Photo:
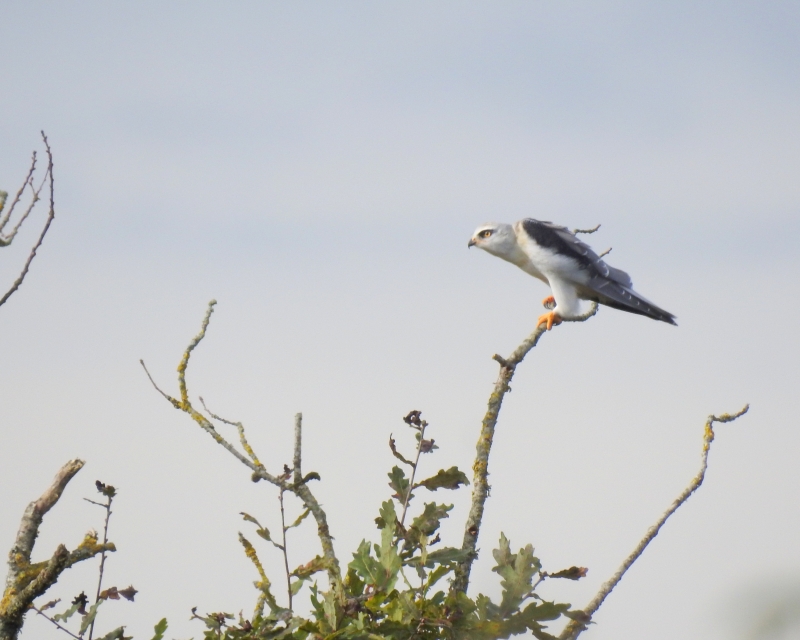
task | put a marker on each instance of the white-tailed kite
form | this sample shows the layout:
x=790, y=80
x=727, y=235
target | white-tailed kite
x=574, y=272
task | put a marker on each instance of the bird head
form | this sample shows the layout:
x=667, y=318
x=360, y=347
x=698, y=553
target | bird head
x=495, y=237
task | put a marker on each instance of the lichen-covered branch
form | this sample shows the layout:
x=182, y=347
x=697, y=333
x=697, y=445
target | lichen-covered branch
x=575, y=628
x=26, y=581
x=298, y=486
x=7, y=238
x=297, y=459
x=480, y=468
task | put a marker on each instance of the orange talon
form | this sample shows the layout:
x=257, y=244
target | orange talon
x=549, y=302
x=551, y=318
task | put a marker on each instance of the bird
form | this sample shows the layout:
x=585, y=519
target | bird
x=574, y=272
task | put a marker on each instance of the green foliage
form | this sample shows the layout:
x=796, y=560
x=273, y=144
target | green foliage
x=160, y=629
x=398, y=482
x=78, y=604
x=517, y=571
x=89, y=617
x=397, y=588
x=116, y=634
x=453, y=478
x=263, y=532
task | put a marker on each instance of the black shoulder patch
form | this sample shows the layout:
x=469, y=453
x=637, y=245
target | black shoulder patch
x=544, y=235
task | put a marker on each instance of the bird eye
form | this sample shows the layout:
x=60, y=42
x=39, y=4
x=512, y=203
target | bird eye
x=485, y=234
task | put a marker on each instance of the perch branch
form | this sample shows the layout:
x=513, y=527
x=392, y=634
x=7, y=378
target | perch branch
x=46, y=617
x=480, y=486
x=575, y=628
x=51, y=214
x=25, y=581
x=299, y=486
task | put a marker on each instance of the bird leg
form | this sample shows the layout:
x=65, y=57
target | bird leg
x=551, y=318
x=549, y=302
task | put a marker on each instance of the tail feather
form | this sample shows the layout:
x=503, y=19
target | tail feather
x=612, y=294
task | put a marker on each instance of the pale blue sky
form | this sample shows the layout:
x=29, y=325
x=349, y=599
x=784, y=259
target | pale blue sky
x=318, y=169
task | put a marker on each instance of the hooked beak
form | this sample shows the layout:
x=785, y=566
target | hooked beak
x=471, y=244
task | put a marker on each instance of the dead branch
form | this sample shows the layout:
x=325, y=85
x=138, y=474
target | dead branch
x=299, y=484
x=25, y=581
x=480, y=486
x=592, y=230
x=575, y=628
x=6, y=239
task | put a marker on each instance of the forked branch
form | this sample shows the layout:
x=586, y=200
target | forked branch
x=26, y=581
x=297, y=485
x=575, y=628
x=5, y=218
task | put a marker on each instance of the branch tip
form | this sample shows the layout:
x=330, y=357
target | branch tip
x=592, y=230
x=575, y=628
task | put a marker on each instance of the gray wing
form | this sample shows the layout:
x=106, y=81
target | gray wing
x=612, y=294
x=607, y=285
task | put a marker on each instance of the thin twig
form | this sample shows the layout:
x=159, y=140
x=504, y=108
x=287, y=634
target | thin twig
x=107, y=507
x=285, y=552
x=592, y=230
x=64, y=629
x=28, y=180
x=240, y=428
x=205, y=424
x=407, y=499
x=51, y=214
x=605, y=253
x=574, y=628
x=6, y=239
x=480, y=482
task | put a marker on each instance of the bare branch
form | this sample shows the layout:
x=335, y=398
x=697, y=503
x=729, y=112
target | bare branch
x=605, y=253
x=242, y=437
x=33, y=516
x=107, y=507
x=51, y=214
x=258, y=470
x=592, y=230
x=25, y=581
x=186, y=354
x=283, y=549
x=46, y=617
x=298, y=447
x=301, y=490
x=574, y=628
x=7, y=217
x=299, y=486
x=169, y=398
x=480, y=482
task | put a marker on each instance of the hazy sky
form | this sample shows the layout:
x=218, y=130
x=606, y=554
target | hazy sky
x=318, y=169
